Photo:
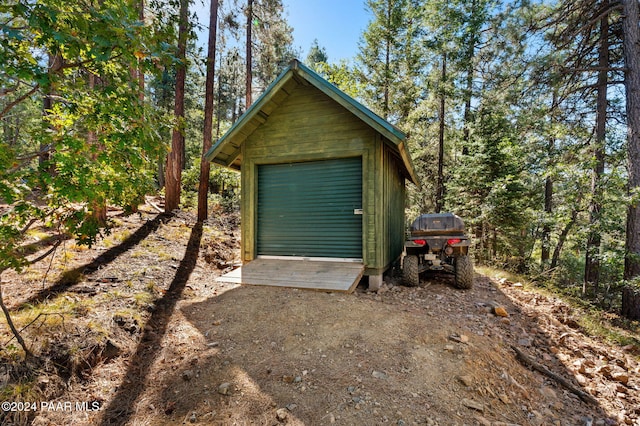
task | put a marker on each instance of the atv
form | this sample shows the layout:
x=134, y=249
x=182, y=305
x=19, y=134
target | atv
x=437, y=242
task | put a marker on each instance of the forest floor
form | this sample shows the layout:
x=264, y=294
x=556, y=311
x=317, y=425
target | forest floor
x=136, y=331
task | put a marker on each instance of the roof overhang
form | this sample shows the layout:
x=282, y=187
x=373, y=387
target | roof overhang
x=227, y=151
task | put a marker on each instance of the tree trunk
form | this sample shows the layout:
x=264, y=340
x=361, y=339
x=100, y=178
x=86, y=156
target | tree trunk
x=205, y=166
x=140, y=70
x=592, y=254
x=562, y=238
x=137, y=74
x=387, y=65
x=219, y=100
x=47, y=104
x=494, y=243
x=548, y=189
x=477, y=249
x=440, y=184
x=55, y=63
x=468, y=91
x=12, y=327
x=173, y=177
x=546, y=229
x=160, y=171
x=631, y=303
x=98, y=206
x=631, y=33
x=249, y=74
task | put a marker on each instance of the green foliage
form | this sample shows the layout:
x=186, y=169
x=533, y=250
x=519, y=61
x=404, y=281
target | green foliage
x=223, y=185
x=517, y=117
x=317, y=55
x=273, y=38
x=390, y=58
x=96, y=141
x=341, y=75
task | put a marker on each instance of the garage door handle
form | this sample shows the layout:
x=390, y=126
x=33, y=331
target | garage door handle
x=357, y=211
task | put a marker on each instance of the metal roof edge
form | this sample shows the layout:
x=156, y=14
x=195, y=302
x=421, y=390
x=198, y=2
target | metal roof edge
x=371, y=118
x=406, y=158
x=250, y=112
x=388, y=130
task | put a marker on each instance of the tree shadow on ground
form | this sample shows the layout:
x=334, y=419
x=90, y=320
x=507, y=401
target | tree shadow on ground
x=120, y=409
x=74, y=276
x=313, y=357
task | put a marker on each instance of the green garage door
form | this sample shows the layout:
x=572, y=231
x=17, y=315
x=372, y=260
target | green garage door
x=311, y=209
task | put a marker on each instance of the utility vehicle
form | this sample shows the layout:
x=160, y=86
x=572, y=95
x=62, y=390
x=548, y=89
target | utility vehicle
x=437, y=242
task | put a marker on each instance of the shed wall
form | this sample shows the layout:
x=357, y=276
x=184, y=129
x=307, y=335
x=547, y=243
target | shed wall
x=395, y=195
x=310, y=126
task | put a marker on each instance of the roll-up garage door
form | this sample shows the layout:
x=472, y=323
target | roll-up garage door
x=311, y=209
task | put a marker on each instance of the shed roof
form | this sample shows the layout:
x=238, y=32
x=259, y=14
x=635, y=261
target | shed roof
x=227, y=150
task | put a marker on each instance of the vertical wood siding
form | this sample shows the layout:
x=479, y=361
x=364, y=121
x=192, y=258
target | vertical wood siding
x=310, y=126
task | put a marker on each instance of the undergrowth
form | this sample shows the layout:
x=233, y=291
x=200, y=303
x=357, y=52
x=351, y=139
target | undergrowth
x=593, y=319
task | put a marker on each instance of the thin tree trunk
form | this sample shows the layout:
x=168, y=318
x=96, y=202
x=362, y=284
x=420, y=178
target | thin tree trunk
x=387, y=65
x=12, y=326
x=140, y=70
x=548, y=190
x=479, y=254
x=631, y=33
x=205, y=166
x=160, y=171
x=562, y=238
x=173, y=177
x=440, y=184
x=468, y=92
x=98, y=207
x=249, y=73
x=219, y=99
x=494, y=243
x=467, y=110
x=55, y=63
x=47, y=104
x=546, y=229
x=592, y=254
x=137, y=74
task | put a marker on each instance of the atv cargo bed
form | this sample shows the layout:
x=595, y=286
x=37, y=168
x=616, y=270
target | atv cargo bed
x=437, y=224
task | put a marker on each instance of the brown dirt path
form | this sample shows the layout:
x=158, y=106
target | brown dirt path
x=207, y=353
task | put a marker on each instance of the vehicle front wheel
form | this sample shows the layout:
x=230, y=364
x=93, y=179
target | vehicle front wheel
x=463, y=272
x=410, y=271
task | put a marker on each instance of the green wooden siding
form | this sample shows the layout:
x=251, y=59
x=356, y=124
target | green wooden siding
x=394, y=191
x=307, y=209
x=309, y=126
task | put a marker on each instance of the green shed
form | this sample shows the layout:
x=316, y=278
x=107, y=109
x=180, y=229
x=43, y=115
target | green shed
x=322, y=177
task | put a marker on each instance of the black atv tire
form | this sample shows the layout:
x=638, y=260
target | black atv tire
x=463, y=272
x=410, y=271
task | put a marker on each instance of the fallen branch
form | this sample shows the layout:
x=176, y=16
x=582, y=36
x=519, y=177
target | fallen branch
x=14, y=330
x=155, y=206
x=527, y=361
x=545, y=272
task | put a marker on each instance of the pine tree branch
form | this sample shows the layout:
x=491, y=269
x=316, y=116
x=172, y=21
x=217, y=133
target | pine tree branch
x=616, y=5
x=588, y=69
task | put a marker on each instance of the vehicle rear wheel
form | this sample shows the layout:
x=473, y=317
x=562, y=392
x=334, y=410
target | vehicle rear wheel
x=463, y=272
x=410, y=271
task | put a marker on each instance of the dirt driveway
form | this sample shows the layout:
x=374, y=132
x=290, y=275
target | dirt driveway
x=209, y=353
x=431, y=355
